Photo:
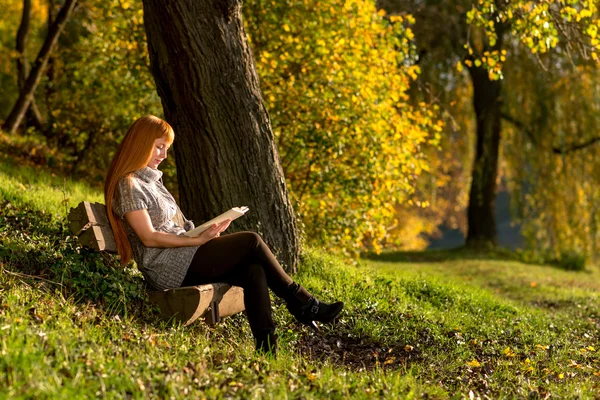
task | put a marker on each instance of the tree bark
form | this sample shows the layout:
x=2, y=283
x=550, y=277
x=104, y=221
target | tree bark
x=487, y=102
x=224, y=148
x=26, y=95
x=33, y=116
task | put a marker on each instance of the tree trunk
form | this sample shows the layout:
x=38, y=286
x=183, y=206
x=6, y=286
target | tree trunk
x=33, y=116
x=26, y=95
x=481, y=216
x=50, y=68
x=21, y=44
x=224, y=148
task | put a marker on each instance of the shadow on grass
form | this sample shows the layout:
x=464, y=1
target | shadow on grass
x=440, y=255
x=356, y=353
x=340, y=344
x=466, y=253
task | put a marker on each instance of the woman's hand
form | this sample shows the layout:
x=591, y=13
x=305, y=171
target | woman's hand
x=214, y=231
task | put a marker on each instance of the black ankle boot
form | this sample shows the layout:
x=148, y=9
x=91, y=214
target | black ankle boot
x=266, y=343
x=307, y=312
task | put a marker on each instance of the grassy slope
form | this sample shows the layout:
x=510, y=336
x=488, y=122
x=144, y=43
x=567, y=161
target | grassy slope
x=432, y=324
x=36, y=187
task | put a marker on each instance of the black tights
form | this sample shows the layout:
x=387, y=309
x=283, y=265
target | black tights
x=242, y=259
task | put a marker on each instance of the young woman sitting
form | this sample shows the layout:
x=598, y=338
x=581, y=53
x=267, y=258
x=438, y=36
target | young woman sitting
x=148, y=226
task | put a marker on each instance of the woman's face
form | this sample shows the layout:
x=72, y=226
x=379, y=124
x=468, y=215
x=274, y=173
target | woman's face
x=159, y=153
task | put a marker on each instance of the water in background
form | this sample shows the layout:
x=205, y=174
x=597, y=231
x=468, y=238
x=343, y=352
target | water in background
x=508, y=236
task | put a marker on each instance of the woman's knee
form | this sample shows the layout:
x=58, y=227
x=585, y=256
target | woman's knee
x=253, y=239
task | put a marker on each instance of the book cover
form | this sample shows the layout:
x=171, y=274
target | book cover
x=232, y=214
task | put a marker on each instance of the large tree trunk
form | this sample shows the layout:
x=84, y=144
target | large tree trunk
x=26, y=95
x=224, y=148
x=33, y=116
x=487, y=102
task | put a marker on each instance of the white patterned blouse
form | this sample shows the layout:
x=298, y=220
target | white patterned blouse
x=163, y=268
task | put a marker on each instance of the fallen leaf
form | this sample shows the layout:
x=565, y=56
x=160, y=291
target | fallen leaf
x=474, y=363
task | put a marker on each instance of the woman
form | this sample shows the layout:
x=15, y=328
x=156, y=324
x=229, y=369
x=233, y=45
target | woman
x=149, y=227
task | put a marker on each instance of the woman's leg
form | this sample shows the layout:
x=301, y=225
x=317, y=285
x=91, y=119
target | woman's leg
x=221, y=258
x=239, y=259
x=218, y=256
x=256, y=297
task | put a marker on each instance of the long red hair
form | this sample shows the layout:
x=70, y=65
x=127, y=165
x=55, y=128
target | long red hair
x=134, y=152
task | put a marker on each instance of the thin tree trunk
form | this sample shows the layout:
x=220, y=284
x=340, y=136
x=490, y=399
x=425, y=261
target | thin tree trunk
x=80, y=155
x=21, y=44
x=225, y=149
x=487, y=102
x=33, y=116
x=26, y=95
x=50, y=70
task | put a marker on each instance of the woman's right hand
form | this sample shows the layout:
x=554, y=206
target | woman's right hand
x=213, y=231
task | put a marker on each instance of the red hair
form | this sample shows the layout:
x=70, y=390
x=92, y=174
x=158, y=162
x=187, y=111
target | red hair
x=134, y=152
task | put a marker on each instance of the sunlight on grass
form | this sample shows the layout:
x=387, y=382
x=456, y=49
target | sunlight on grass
x=29, y=186
x=531, y=284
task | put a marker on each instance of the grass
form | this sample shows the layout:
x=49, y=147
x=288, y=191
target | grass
x=451, y=324
x=23, y=184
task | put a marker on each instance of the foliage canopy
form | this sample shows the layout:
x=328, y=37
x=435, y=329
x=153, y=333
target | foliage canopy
x=335, y=78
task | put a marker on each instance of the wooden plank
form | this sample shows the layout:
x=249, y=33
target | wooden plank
x=232, y=302
x=90, y=223
x=182, y=304
x=78, y=219
x=186, y=304
x=99, y=238
x=229, y=301
x=86, y=215
x=98, y=213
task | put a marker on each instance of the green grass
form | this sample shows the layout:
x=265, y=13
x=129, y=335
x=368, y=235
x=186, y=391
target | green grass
x=23, y=184
x=416, y=325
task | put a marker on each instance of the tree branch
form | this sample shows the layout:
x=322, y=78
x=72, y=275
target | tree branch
x=521, y=126
x=575, y=147
x=556, y=150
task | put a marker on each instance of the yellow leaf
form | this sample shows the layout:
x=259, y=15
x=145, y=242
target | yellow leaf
x=389, y=360
x=508, y=352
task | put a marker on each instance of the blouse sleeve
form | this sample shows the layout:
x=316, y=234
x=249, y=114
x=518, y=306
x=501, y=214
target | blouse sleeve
x=130, y=196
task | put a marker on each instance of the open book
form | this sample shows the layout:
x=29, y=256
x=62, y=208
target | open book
x=232, y=214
